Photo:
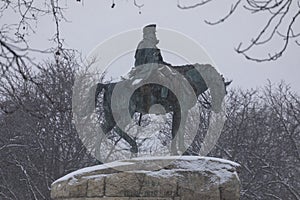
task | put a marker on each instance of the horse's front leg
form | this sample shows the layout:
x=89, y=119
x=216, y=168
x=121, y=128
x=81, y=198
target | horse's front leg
x=175, y=128
x=181, y=131
x=179, y=118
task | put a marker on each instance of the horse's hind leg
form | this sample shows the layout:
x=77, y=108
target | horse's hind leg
x=106, y=127
x=110, y=124
x=129, y=140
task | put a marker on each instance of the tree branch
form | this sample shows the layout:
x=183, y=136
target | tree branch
x=221, y=20
x=203, y=2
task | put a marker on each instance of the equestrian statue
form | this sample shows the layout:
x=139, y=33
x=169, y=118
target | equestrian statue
x=149, y=65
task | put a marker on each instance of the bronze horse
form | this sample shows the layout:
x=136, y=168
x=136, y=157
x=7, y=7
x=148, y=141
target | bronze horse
x=150, y=94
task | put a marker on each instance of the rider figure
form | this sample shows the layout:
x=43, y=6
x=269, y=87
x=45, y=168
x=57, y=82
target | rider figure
x=147, y=51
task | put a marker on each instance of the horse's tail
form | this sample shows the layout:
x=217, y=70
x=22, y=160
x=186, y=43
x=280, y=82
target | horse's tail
x=97, y=90
x=91, y=99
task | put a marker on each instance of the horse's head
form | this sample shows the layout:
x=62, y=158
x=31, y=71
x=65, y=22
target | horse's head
x=216, y=84
x=226, y=83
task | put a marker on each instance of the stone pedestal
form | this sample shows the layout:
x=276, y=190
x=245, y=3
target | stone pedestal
x=174, y=178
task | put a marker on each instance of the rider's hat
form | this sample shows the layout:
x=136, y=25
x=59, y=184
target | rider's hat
x=151, y=28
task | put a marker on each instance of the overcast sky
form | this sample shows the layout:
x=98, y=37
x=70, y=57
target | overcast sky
x=93, y=22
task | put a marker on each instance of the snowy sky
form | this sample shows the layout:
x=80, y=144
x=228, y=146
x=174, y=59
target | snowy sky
x=93, y=22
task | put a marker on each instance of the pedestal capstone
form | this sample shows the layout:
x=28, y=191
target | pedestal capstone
x=174, y=178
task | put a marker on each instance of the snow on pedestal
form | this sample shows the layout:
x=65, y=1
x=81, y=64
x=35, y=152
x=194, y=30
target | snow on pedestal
x=186, y=177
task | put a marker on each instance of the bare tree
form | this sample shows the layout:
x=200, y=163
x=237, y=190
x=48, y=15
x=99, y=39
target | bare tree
x=39, y=142
x=281, y=19
x=262, y=133
x=16, y=55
